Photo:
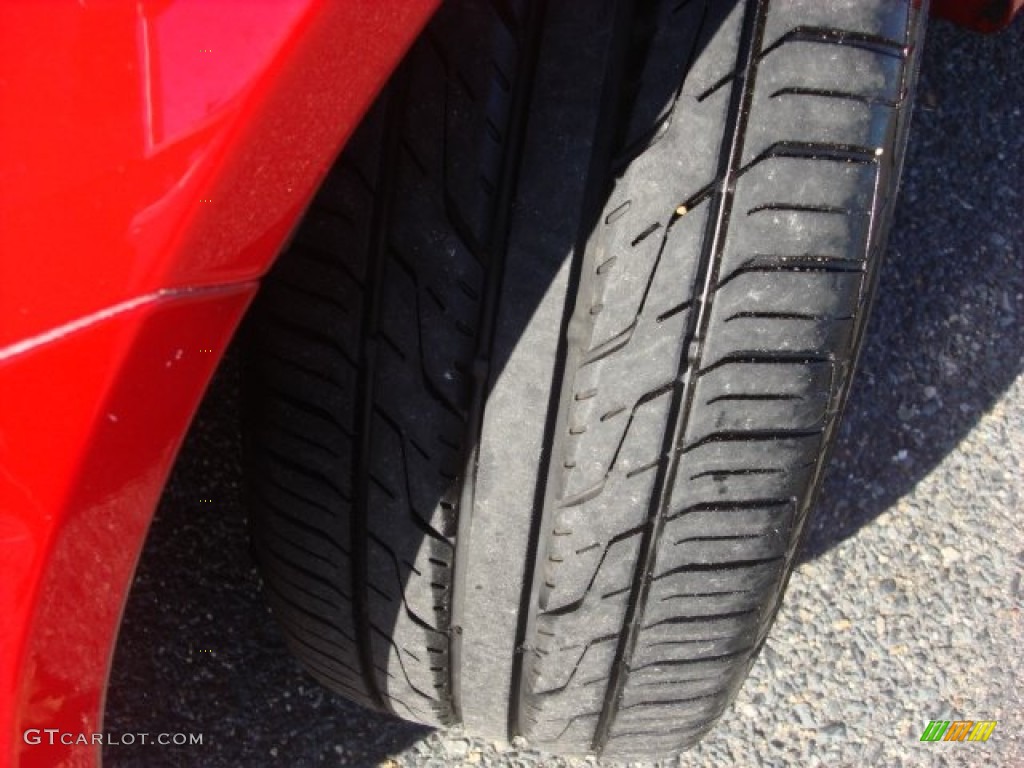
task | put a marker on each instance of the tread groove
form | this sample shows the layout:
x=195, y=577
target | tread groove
x=730, y=154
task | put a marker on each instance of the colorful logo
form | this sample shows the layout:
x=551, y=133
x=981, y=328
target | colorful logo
x=958, y=730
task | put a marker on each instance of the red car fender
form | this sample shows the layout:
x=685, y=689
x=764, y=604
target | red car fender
x=982, y=15
x=153, y=158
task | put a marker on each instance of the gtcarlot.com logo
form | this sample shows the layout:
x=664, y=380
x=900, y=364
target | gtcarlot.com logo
x=53, y=736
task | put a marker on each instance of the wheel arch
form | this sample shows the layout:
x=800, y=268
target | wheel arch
x=137, y=221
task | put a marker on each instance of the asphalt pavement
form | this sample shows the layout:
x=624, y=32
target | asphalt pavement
x=906, y=605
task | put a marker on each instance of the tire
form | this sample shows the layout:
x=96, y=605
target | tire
x=539, y=397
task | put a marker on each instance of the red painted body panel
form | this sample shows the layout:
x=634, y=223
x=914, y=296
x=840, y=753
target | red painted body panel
x=148, y=149
x=104, y=436
x=153, y=158
x=982, y=15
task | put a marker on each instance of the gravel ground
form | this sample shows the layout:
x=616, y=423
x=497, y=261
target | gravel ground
x=906, y=606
